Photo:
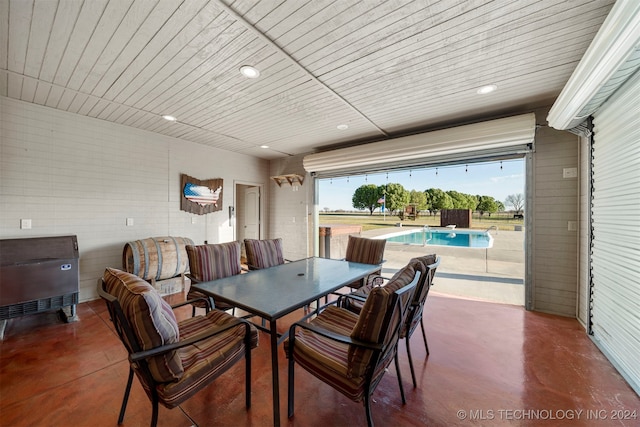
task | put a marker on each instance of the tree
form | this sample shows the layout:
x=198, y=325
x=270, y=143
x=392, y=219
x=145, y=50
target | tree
x=366, y=197
x=516, y=201
x=487, y=204
x=419, y=198
x=473, y=202
x=396, y=197
x=459, y=200
x=462, y=201
x=438, y=200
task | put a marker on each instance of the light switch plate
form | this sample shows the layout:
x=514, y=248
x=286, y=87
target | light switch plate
x=129, y=222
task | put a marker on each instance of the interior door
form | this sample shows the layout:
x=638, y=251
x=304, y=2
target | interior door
x=252, y=213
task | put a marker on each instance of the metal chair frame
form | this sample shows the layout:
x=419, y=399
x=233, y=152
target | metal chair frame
x=138, y=357
x=400, y=300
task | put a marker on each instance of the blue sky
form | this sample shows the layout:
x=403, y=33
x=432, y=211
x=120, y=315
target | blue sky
x=486, y=179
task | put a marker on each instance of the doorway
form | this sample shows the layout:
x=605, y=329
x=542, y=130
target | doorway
x=494, y=274
x=248, y=208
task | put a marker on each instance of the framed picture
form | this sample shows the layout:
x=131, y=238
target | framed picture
x=200, y=196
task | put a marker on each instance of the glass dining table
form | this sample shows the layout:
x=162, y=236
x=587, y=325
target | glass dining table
x=274, y=292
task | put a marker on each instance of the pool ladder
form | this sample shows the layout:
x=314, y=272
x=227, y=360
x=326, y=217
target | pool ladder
x=493, y=227
x=425, y=230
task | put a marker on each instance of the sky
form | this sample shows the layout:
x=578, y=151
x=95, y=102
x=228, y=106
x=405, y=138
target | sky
x=486, y=179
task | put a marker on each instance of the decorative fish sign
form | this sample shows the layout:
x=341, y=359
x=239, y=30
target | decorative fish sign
x=201, y=195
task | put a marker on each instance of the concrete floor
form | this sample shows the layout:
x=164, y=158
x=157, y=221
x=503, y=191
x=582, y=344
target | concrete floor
x=495, y=274
x=489, y=365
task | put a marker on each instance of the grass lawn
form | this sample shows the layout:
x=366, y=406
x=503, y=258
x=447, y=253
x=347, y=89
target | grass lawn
x=502, y=220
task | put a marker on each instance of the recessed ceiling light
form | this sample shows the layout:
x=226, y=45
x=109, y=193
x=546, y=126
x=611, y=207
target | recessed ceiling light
x=264, y=146
x=343, y=127
x=169, y=118
x=249, y=72
x=487, y=89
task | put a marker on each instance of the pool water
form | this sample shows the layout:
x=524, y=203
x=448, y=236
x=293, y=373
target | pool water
x=433, y=237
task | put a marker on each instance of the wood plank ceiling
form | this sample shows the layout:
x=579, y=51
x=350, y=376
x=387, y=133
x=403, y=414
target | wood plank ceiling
x=383, y=68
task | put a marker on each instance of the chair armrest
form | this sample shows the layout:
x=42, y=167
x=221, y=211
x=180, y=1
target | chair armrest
x=342, y=299
x=187, y=302
x=318, y=310
x=134, y=357
x=332, y=336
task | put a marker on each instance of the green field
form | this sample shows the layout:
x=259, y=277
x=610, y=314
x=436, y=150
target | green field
x=502, y=220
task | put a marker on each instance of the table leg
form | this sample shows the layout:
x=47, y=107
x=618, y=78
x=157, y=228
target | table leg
x=274, y=372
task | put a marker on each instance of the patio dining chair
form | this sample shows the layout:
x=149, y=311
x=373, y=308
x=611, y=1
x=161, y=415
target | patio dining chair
x=263, y=253
x=349, y=352
x=211, y=262
x=366, y=251
x=416, y=309
x=428, y=265
x=266, y=253
x=172, y=360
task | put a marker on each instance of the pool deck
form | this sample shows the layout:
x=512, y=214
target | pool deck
x=493, y=274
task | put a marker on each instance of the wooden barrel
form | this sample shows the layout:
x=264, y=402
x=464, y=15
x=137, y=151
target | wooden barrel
x=156, y=258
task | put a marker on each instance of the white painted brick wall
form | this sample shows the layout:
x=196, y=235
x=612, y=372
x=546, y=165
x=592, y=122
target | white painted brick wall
x=71, y=174
x=290, y=211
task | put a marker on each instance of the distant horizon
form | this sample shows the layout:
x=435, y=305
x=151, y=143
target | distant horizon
x=495, y=179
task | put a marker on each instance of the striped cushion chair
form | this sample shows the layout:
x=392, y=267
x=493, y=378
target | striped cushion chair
x=351, y=352
x=427, y=266
x=263, y=253
x=211, y=262
x=172, y=360
x=366, y=251
x=414, y=317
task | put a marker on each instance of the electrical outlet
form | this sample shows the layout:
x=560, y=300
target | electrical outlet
x=572, y=225
x=25, y=224
x=129, y=222
x=570, y=172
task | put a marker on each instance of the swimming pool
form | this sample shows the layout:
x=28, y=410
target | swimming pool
x=439, y=237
